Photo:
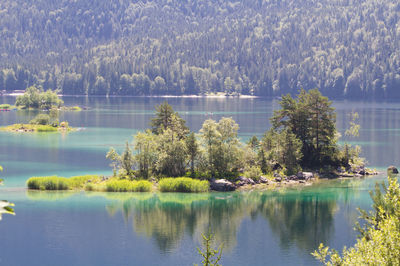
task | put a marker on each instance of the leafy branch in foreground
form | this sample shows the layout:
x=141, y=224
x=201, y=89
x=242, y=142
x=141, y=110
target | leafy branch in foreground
x=379, y=242
x=5, y=206
x=211, y=256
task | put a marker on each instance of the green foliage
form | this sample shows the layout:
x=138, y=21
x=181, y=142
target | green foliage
x=192, y=148
x=379, y=241
x=211, y=256
x=171, y=154
x=40, y=119
x=60, y=183
x=76, y=108
x=36, y=99
x=5, y=106
x=48, y=183
x=311, y=119
x=127, y=161
x=123, y=162
x=167, y=118
x=183, y=184
x=282, y=148
x=354, y=129
x=221, y=145
x=6, y=208
x=253, y=172
x=124, y=185
x=99, y=48
x=146, y=155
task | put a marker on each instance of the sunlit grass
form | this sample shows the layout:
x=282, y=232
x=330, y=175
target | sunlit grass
x=183, y=184
x=60, y=183
x=125, y=185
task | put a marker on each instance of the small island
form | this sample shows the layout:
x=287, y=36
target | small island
x=46, y=102
x=300, y=147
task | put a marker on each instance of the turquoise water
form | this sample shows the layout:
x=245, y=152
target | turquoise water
x=257, y=228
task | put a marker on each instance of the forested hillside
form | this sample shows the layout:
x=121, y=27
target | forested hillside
x=345, y=48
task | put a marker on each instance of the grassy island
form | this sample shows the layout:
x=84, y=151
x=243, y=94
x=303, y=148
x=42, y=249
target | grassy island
x=36, y=99
x=41, y=123
x=301, y=146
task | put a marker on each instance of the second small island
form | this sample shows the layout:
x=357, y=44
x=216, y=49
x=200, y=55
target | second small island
x=48, y=104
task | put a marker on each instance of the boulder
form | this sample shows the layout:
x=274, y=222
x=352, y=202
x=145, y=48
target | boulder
x=245, y=180
x=222, y=185
x=392, y=170
x=278, y=179
x=305, y=175
x=263, y=180
x=293, y=177
x=251, y=181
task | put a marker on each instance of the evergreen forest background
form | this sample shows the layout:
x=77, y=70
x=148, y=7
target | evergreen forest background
x=346, y=48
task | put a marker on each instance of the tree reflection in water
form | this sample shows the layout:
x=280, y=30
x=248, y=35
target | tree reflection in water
x=305, y=219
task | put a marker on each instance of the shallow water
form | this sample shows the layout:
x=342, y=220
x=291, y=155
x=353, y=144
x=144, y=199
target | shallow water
x=257, y=228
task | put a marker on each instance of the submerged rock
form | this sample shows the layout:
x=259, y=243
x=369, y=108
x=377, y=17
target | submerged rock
x=222, y=185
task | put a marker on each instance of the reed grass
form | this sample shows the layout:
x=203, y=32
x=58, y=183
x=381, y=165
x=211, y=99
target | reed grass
x=60, y=183
x=183, y=184
x=125, y=185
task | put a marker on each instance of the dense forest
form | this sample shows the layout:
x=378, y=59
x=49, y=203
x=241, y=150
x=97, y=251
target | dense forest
x=346, y=48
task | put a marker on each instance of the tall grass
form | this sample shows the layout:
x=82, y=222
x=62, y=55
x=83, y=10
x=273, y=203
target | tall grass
x=124, y=185
x=183, y=184
x=60, y=183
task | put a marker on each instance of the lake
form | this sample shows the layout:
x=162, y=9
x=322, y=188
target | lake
x=257, y=228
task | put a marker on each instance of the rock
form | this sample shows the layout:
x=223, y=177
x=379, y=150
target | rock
x=305, y=175
x=293, y=177
x=278, y=179
x=277, y=175
x=392, y=170
x=302, y=181
x=251, y=181
x=263, y=180
x=222, y=185
x=240, y=183
x=362, y=172
x=245, y=180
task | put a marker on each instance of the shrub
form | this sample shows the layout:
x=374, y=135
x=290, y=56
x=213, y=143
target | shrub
x=48, y=183
x=40, y=119
x=253, y=172
x=45, y=128
x=183, y=184
x=76, y=108
x=60, y=183
x=5, y=106
x=125, y=185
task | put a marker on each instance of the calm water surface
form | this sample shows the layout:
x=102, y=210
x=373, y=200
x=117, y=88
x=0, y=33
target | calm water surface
x=257, y=228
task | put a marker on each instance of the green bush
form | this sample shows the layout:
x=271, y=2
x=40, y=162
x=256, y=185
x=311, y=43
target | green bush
x=253, y=172
x=40, y=119
x=48, y=183
x=125, y=185
x=60, y=183
x=45, y=128
x=183, y=184
x=5, y=106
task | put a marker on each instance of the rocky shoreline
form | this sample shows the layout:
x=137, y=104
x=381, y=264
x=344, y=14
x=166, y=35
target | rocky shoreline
x=277, y=180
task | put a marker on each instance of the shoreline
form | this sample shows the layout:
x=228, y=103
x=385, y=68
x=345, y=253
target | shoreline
x=97, y=183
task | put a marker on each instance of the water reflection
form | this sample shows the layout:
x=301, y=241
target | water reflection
x=295, y=217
